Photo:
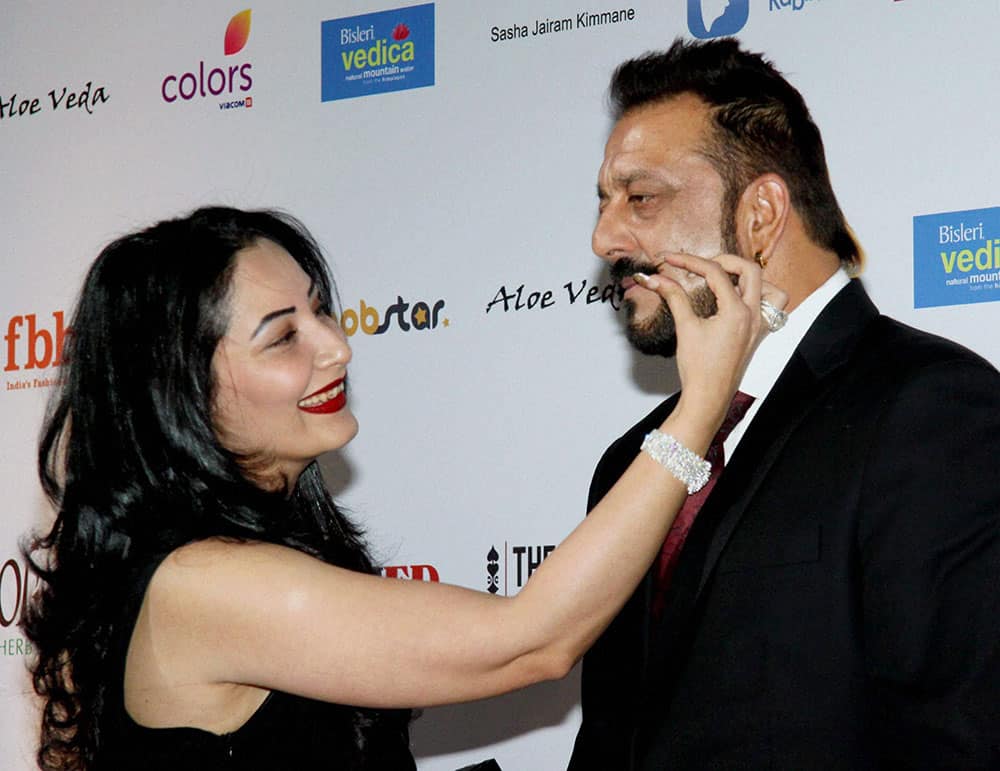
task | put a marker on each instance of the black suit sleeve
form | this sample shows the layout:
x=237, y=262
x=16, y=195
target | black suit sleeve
x=612, y=687
x=929, y=548
x=612, y=667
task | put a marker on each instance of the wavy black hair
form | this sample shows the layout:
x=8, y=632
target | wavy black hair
x=760, y=124
x=131, y=461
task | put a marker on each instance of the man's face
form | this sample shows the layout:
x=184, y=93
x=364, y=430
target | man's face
x=659, y=194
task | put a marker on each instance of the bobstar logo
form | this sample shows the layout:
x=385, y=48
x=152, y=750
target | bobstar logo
x=956, y=258
x=377, y=52
x=506, y=573
x=232, y=81
x=17, y=582
x=404, y=316
x=716, y=18
x=32, y=343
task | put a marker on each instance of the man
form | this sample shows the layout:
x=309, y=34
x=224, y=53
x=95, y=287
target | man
x=836, y=602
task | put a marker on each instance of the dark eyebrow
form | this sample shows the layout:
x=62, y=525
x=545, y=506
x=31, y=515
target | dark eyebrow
x=626, y=178
x=268, y=318
x=639, y=175
x=630, y=177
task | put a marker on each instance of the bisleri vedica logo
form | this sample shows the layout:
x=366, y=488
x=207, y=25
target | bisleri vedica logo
x=956, y=257
x=377, y=52
x=231, y=81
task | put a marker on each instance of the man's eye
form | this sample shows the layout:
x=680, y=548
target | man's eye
x=640, y=198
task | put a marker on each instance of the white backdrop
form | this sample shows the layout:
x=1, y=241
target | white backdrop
x=481, y=432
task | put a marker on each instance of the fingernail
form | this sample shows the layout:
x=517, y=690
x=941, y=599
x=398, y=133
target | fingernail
x=647, y=281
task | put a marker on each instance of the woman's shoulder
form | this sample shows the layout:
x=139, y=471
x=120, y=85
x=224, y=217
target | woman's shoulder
x=201, y=604
x=219, y=583
x=212, y=570
x=221, y=554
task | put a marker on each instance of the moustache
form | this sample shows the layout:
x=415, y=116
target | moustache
x=627, y=266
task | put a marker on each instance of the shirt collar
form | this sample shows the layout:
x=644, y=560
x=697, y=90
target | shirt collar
x=777, y=348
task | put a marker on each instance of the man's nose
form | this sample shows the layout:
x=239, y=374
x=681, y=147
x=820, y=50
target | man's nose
x=611, y=238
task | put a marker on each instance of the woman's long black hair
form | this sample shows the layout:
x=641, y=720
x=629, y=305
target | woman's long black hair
x=131, y=461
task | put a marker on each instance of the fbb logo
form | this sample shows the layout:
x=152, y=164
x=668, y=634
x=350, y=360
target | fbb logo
x=33, y=343
x=230, y=79
x=506, y=573
x=404, y=316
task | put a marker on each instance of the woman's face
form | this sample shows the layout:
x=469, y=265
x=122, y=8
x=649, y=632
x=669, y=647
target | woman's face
x=280, y=367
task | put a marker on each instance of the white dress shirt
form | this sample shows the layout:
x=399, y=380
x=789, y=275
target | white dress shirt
x=776, y=349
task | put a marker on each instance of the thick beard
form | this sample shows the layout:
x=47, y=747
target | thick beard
x=657, y=335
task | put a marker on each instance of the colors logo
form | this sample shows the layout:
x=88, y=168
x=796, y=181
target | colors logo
x=377, y=52
x=716, y=18
x=956, y=258
x=216, y=81
x=420, y=316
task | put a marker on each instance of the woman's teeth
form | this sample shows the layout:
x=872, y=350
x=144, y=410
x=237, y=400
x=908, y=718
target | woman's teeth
x=322, y=398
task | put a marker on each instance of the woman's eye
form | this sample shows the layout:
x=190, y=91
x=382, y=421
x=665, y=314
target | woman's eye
x=285, y=339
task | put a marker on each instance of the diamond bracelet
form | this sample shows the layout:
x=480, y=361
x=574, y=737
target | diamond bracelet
x=690, y=468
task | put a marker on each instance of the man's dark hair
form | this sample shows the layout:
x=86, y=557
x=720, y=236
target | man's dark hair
x=760, y=125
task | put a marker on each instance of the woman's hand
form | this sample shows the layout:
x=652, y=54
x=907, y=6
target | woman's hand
x=215, y=621
x=712, y=352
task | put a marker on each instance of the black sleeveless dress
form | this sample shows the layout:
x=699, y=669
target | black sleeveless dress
x=286, y=732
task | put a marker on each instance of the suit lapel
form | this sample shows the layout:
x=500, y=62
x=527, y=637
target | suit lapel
x=795, y=392
x=802, y=385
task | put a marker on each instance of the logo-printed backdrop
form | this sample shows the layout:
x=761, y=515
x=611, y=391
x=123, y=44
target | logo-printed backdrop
x=446, y=161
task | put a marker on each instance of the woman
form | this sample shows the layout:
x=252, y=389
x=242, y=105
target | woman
x=204, y=604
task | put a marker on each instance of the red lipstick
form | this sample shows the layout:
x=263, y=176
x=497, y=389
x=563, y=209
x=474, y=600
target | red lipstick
x=330, y=398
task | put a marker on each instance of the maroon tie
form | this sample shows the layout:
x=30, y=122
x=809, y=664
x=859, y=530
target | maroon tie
x=671, y=550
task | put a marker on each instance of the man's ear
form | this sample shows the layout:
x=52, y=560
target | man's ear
x=761, y=216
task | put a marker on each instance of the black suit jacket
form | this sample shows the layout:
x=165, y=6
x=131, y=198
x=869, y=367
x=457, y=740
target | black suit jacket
x=837, y=602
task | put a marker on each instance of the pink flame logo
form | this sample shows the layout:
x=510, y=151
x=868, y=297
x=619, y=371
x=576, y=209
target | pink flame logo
x=238, y=32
